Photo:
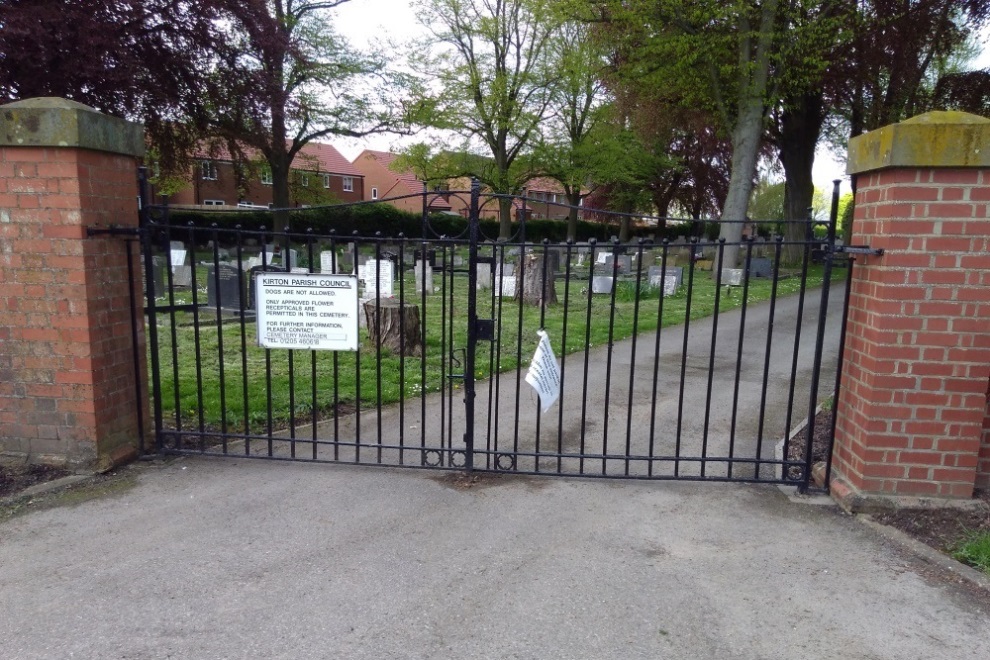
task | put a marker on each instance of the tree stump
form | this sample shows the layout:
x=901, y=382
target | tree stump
x=394, y=327
x=535, y=289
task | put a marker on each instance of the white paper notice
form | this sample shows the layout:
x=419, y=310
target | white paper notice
x=544, y=373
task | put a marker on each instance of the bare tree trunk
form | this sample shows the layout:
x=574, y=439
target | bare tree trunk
x=574, y=199
x=394, y=327
x=535, y=288
x=800, y=127
x=745, y=147
x=504, y=219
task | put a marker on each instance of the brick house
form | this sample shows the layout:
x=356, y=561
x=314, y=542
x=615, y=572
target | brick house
x=320, y=175
x=382, y=182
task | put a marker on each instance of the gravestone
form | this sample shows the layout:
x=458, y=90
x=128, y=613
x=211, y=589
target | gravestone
x=251, y=262
x=252, y=274
x=158, y=275
x=424, y=278
x=505, y=286
x=458, y=260
x=328, y=259
x=602, y=256
x=656, y=272
x=227, y=290
x=431, y=256
x=378, y=277
x=760, y=267
x=602, y=284
x=484, y=274
x=733, y=276
x=670, y=285
x=182, y=275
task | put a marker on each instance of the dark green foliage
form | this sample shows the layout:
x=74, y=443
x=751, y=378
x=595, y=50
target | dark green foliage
x=370, y=219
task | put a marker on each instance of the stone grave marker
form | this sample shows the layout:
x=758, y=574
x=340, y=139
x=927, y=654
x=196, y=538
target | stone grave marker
x=431, y=256
x=505, y=286
x=229, y=291
x=327, y=261
x=484, y=272
x=252, y=274
x=602, y=283
x=733, y=276
x=760, y=267
x=670, y=285
x=158, y=275
x=378, y=277
x=424, y=277
x=656, y=272
x=182, y=275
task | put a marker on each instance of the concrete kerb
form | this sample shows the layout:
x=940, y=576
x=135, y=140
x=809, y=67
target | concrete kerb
x=967, y=573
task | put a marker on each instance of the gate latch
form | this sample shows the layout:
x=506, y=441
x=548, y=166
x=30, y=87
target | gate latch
x=484, y=329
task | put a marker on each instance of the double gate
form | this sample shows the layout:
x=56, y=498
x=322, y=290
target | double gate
x=669, y=368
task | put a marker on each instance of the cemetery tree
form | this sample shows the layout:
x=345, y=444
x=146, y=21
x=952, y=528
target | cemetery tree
x=717, y=56
x=572, y=149
x=877, y=63
x=289, y=79
x=145, y=60
x=488, y=81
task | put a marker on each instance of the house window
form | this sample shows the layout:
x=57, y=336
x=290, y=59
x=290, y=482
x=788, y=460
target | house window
x=326, y=180
x=266, y=176
x=213, y=202
x=374, y=193
x=304, y=180
x=348, y=184
x=208, y=170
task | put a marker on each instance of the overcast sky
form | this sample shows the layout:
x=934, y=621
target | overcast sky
x=368, y=22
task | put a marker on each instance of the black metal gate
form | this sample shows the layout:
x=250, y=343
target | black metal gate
x=669, y=368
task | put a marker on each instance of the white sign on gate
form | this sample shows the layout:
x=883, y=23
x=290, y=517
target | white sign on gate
x=544, y=372
x=307, y=311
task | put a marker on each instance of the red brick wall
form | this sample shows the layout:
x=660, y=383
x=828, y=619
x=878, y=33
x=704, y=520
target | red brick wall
x=67, y=385
x=913, y=406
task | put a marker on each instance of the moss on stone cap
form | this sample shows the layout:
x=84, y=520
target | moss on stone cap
x=57, y=122
x=934, y=139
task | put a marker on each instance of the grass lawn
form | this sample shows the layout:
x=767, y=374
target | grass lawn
x=220, y=379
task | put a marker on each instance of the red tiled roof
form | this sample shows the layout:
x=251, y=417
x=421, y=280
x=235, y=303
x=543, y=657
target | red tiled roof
x=407, y=178
x=544, y=184
x=325, y=158
x=315, y=156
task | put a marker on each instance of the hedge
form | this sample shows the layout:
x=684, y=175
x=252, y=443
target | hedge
x=370, y=219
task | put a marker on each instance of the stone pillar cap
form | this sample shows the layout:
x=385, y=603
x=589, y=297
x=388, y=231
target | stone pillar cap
x=935, y=139
x=58, y=122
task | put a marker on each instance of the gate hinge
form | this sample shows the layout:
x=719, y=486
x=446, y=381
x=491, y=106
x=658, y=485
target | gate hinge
x=484, y=329
x=859, y=249
x=112, y=230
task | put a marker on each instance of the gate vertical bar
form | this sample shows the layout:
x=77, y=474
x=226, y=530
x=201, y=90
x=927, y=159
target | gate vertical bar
x=472, y=329
x=816, y=368
x=147, y=245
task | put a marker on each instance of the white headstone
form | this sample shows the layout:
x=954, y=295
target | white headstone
x=601, y=284
x=602, y=256
x=484, y=276
x=424, y=277
x=378, y=277
x=670, y=284
x=505, y=286
x=180, y=257
x=327, y=261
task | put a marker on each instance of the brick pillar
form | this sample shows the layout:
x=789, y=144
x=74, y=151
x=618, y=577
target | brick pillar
x=912, y=412
x=67, y=383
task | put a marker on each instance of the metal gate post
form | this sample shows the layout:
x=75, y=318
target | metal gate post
x=472, y=329
x=816, y=368
x=147, y=245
